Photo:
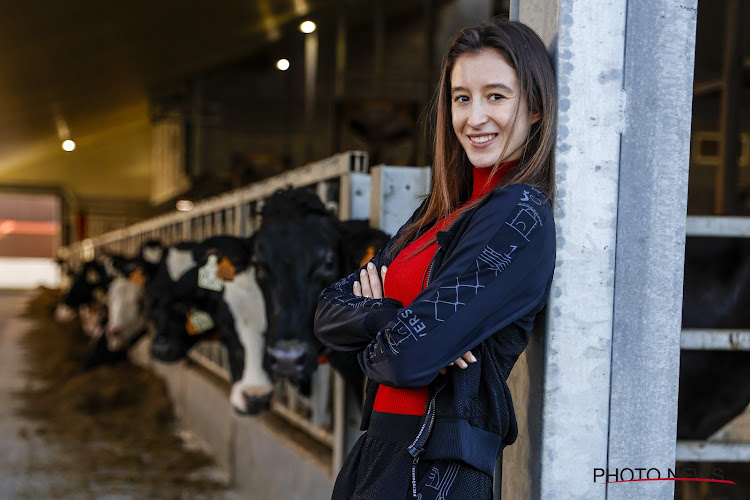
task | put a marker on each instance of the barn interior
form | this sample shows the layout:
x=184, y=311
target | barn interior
x=170, y=104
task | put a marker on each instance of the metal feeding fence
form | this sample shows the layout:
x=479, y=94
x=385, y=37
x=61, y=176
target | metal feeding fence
x=715, y=339
x=347, y=187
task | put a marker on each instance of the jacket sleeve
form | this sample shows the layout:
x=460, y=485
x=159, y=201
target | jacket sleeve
x=498, y=272
x=345, y=322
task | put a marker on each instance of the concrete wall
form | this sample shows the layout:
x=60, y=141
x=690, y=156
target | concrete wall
x=263, y=458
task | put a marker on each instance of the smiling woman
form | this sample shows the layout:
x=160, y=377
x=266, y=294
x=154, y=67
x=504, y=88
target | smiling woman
x=439, y=316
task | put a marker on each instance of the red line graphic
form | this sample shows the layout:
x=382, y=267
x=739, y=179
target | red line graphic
x=675, y=479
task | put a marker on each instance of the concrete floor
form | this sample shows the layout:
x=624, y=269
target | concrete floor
x=31, y=467
x=22, y=449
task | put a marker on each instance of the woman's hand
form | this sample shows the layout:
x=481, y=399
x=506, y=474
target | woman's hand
x=462, y=362
x=370, y=286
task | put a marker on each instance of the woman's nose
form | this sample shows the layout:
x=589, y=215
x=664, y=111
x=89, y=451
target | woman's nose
x=477, y=114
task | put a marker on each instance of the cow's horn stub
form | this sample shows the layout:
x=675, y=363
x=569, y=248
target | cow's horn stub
x=225, y=270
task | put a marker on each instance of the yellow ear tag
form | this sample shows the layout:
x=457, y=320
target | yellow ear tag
x=225, y=270
x=207, y=275
x=368, y=255
x=137, y=277
x=198, y=322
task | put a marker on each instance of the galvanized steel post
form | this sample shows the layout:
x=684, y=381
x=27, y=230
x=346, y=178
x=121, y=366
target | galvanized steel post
x=611, y=351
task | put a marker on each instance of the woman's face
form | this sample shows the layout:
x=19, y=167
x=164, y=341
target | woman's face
x=485, y=93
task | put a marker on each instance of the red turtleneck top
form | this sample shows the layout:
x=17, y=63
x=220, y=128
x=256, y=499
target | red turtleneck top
x=405, y=279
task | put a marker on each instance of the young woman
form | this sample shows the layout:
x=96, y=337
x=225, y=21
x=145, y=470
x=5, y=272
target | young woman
x=438, y=334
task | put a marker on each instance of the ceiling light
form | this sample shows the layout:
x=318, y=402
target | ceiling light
x=68, y=145
x=184, y=205
x=307, y=27
x=282, y=64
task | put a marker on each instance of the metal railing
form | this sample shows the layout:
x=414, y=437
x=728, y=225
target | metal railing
x=342, y=181
x=715, y=339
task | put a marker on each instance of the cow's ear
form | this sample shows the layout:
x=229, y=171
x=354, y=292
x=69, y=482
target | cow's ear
x=359, y=243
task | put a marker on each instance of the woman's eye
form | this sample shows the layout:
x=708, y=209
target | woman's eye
x=460, y=98
x=496, y=97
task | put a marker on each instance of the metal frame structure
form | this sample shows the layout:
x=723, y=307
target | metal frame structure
x=703, y=340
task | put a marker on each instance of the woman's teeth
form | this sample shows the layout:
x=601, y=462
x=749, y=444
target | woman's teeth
x=483, y=138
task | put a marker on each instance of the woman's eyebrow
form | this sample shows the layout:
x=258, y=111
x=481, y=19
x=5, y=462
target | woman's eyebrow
x=491, y=86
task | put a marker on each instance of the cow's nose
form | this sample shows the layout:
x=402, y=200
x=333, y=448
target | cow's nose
x=163, y=350
x=288, y=360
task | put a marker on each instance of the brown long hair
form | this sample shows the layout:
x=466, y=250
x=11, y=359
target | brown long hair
x=452, y=171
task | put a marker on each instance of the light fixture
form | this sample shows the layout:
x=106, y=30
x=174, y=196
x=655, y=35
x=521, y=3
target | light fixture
x=68, y=145
x=184, y=205
x=307, y=27
x=282, y=64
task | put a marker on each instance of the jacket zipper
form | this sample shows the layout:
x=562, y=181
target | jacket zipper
x=429, y=273
x=416, y=448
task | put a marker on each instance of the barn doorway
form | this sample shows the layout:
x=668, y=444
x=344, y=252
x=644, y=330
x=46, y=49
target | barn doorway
x=30, y=232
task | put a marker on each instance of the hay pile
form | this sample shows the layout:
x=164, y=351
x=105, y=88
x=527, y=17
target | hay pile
x=114, y=422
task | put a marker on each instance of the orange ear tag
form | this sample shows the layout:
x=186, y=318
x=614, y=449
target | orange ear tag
x=137, y=277
x=368, y=255
x=225, y=270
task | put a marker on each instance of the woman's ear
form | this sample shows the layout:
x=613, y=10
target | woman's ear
x=535, y=118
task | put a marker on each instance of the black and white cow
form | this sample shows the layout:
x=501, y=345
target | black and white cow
x=127, y=303
x=714, y=385
x=86, y=293
x=300, y=249
x=208, y=289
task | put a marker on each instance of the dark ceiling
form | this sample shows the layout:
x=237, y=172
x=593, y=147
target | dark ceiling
x=88, y=64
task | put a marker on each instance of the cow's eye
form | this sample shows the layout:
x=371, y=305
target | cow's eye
x=261, y=271
x=329, y=264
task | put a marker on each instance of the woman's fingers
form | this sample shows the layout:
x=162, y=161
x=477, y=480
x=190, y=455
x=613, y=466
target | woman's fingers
x=364, y=282
x=469, y=357
x=369, y=285
x=375, y=287
x=463, y=361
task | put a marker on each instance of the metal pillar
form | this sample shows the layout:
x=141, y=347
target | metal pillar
x=608, y=397
x=651, y=223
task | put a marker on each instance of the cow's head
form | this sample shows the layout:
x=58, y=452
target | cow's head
x=126, y=315
x=180, y=327
x=89, y=286
x=91, y=278
x=126, y=297
x=300, y=249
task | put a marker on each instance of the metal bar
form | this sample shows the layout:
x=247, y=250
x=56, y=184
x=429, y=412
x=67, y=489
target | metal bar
x=340, y=447
x=316, y=432
x=706, y=451
x=725, y=188
x=714, y=340
x=327, y=168
x=709, y=87
x=718, y=226
x=206, y=362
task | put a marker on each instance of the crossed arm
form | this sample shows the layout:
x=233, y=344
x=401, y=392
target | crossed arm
x=370, y=286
